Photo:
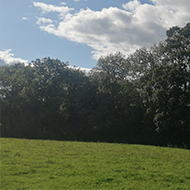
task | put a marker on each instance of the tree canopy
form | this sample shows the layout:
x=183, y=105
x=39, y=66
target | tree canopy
x=141, y=98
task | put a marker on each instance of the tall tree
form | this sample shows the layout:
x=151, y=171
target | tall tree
x=165, y=88
x=118, y=110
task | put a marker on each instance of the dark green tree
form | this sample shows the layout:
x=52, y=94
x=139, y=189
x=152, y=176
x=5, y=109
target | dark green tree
x=165, y=85
x=117, y=115
x=144, y=98
x=18, y=101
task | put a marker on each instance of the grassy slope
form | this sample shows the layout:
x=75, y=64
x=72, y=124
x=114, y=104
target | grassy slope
x=38, y=164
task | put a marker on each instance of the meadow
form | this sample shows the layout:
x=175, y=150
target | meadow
x=48, y=165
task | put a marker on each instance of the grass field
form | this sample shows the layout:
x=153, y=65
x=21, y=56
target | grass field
x=43, y=164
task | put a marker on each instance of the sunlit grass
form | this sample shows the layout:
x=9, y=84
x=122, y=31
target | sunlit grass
x=43, y=164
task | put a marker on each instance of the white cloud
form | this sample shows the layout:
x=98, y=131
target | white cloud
x=43, y=20
x=25, y=18
x=46, y=8
x=113, y=29
x=7, y=58
x=63, y=3
x=132, y=5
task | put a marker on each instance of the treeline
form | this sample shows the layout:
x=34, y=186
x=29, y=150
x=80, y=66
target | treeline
x=143, y=98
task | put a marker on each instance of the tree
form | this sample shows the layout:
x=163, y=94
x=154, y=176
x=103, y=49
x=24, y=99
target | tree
x=165, y=86
x=144, y=98
x=117, y=115
x=18, y=100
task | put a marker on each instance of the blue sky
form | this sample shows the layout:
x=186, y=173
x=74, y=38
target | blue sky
x=80, y=31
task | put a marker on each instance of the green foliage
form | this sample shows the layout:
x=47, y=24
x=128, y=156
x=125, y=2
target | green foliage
x=112, y=66
x=165, y=88
x=41, y=100
x=37, y=164
x=118, y=113
x=143, y=98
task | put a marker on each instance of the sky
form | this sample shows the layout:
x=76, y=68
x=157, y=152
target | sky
x=80, y=31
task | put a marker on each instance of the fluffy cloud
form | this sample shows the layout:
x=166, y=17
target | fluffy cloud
x=46, y=8
x=113, y=29
x=164, y=13
x=43, y=20
x=7, y=58
x=132, y=5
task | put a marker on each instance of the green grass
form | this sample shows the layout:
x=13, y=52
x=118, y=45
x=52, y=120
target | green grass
x=43, y=164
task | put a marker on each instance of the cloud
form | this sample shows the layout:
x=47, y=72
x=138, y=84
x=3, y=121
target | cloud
x=63, y=3
x=132, y=5
x=7, y=58
x=47, y=8
x=113, y=29
x=43, y=20
x=25, y=18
